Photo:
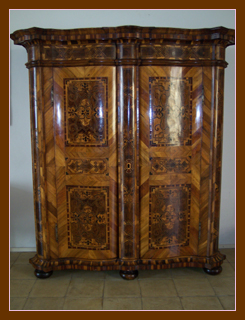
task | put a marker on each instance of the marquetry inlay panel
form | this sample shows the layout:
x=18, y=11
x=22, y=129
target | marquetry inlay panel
x=177, y=52
x=170, y=165
x=79, y=52
x=170, y=111
x=86, y=111
x=88, y=217
x=87, y=166
x=169, y=216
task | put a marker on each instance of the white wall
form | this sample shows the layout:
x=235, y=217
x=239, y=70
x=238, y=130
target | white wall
x=21, y=201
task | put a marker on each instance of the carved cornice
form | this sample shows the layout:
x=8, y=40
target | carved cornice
x=34, y=35
x=126, y=45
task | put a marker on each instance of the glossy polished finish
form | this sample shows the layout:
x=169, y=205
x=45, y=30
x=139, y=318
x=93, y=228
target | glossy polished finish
x=128, y=166
x=214, y=271
x=129, y=275
x=86, y=162
x=42, y=275
x=126, y=128
x=170, y=136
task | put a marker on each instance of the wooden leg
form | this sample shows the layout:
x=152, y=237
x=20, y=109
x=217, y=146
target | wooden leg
x=129, y=275
x=42, y=274
x=214, y=271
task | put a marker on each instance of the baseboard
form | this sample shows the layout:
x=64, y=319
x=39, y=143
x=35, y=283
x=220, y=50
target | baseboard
x=22, y=249
x=221, y=246
x=226, y=246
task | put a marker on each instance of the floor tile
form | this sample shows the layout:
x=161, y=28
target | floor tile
x=126, y=288
x=85, y=288
x=230, y=254
x=22, y=271
x=86, y=274
x=64, y=289
x=162, y=303
x=152, y=274
x=17, y=303
x=113, y=275
x=221, y=285
x=50, y=287
x=20, y=288
x=228, y=302
x=201, y=303
x=63, y=275
x=24, y=257
x=14, y=256
x=83, y=304
x=44, y=304
x=157, y=288
x=231, y=259
x=122, y=303
x=233, y=265
x=227, y=270
x=188, y=272
x=193, y=287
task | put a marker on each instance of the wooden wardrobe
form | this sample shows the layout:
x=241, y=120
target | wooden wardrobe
x=126, y=127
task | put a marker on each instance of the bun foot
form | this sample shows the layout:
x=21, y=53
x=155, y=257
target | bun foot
x=214, y=271
x=42, y=274
x=129, y=275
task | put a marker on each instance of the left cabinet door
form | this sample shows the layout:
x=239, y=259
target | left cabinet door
x=85, y=133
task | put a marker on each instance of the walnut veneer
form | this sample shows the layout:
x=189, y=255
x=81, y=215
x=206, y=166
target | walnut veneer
x=126, y=127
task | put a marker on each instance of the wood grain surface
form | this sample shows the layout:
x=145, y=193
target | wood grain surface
x=126, y=127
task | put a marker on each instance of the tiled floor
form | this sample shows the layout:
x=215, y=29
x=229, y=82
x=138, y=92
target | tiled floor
x=175, y=289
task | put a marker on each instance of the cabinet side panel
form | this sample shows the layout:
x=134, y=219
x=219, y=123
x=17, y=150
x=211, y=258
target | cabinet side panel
x=206, y=163
x=217, y=161
x=38, y=160
x=144, y=158
x=211, y=155
x=50, y=160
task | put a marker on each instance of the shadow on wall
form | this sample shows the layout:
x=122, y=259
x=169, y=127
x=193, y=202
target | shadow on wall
x=22, y=227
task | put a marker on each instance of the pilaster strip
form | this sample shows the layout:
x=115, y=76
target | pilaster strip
x=128, y=175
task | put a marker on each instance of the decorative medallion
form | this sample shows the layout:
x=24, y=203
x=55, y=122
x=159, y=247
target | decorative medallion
x=170, y=111
x=168, y=165
x=169, y=219
x=86, y=112
x=88, y=217
x=86, y=166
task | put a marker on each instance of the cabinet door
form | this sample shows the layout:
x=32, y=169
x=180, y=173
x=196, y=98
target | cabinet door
x=170, y=162
x=86, y=162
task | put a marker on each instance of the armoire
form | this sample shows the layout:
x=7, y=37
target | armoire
x=126, y=131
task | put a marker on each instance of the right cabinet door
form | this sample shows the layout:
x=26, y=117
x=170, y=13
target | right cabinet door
x=171, y=113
